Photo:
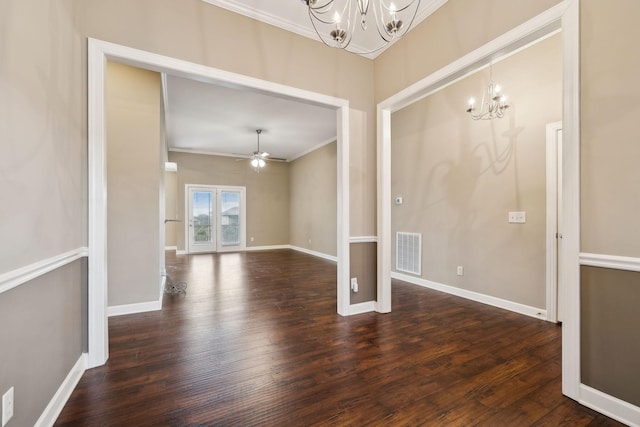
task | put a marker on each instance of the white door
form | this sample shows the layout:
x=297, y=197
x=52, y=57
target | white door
x=201, y=219
x=216, y=218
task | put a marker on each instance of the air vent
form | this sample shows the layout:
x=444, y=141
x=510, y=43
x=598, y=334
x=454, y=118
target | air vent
x=408, y=252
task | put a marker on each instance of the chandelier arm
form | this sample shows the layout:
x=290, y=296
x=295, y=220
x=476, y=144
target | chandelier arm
x=322, y=8
x=318, y=32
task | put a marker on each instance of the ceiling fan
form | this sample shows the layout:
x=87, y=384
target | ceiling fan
x=258, y=157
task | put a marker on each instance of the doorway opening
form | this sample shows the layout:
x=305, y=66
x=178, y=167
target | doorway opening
x=566, y=17
x=99, y=52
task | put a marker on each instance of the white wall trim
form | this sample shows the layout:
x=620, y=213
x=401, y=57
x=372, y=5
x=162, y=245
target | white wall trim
x=363, y=307
x=516, y=307
x=60, y=398
x=267, y=248
x=610, y=406
x=208, y=153
x=614, y=262
x=363, y=239
x=170, y=248
x=17, y=277
x=312, y=149
x=569, y=247
x=181, y=252
x=139, y=307
x=315, y=253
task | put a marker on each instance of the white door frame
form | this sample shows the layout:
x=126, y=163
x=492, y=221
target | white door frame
x=553, y=230
x=243, y=215
x=98, y=53
x=564, y=16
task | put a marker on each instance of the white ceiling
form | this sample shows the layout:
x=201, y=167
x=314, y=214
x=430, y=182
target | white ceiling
x=206, y=118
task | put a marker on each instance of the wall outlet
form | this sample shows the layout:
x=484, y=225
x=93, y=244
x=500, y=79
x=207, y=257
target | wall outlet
x=251, y=239
x=354, y=284
x=7, y=406
x=309, y=241
x=517, y=217
x=460, y=270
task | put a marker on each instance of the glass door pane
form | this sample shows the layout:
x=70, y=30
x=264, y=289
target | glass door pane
x=229, y=218
x=202, y=236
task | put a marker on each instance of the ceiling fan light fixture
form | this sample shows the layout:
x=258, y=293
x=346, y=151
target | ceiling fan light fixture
x=258, y=157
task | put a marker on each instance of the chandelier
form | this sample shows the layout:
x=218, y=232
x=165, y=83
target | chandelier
x=492, y=105
x=339, y=22
x=258, y=157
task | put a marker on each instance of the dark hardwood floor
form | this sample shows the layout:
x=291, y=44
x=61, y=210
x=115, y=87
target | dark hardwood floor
x=256, y=341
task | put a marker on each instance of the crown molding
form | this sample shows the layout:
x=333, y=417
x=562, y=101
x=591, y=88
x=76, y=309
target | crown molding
x=307, y=30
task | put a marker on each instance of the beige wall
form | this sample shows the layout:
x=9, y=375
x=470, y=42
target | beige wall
x=43, y=148
x=171, y=228
x=610, y=90
x=43, y=199
x=610, y=178
x=267, y=193
x=313, y=201
x=459, y=178
x=191, y=29
x=133, y=184
x=457, y=28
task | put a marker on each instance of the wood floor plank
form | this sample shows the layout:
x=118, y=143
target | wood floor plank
x=256, y=341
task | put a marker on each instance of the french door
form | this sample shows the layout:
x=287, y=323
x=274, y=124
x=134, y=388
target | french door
x=215, y=218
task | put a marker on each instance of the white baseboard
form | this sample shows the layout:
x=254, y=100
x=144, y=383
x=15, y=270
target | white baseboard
x=538, y=313
x=141, y=307
x=610, y=406
x=314, y=253
x=170, y=248
x=363, y=239
x=56, y=404
x=181, y=252
x=266, y=248
x=363, y=307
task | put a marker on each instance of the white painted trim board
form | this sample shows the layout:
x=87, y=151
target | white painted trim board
x=139, y=307
x=60, y=398
x=516, y=307
x=315, y=253
x=614, y=262
x=19, y=276
x=610, y=406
